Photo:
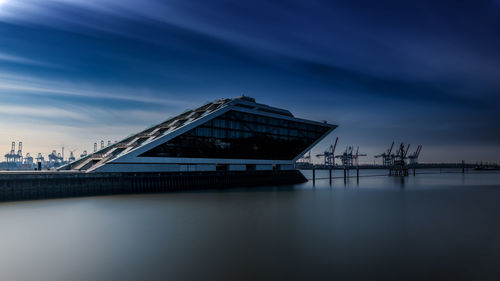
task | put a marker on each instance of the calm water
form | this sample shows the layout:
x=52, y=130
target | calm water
x=432, y=226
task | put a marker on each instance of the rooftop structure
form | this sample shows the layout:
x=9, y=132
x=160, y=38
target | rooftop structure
x=228, y=134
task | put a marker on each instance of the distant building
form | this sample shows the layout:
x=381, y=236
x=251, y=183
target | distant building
x=229, y=134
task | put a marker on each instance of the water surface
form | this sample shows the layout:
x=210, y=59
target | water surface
x=429, y=226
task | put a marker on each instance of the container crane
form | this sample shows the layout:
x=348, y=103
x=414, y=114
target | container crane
x=414, y=156
x=9, y=157
x=387, y=157
x=72, y=156
x=400, y=167
x=55, y=159
x=346, y=157
x=40, y=158
x=84, y=153
x=28, y=160
x=306, y=158
x=329, y=154
x=20, y=153
x=356, y=157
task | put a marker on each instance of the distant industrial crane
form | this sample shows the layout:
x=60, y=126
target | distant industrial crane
x=28, y=160
x=40, y=158
x=349, y=158
x=387, y=158
x=72, y=156
x=329, y=154
x=346, y=157
x=399, y=167
x=20, y=153
x=305, y=159
x=84, y=153
x=401, y=152
x=55, y=159
x=14, y=157
x=356, y=157
x=9, y=157
x=414, y=156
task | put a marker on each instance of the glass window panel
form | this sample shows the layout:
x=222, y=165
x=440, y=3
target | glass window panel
x=219, y=133
x=241, y=136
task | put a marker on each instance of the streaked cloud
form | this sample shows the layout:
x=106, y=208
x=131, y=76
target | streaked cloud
x=21, y=60
x=33, y=86
x=41, y=112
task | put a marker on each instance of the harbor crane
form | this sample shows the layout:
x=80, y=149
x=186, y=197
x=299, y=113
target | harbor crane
x=387, y=157
x=28, y=160
x=329, y=154
x=14, y=157
x=349, y=158
x=356, y=157
x=305, y=159
x=55, y=159
x=40, y=158
x=401, y=152
x=20, y=153
x=346, y=157
x=399, y=167
x=414, y=156
x=72, y=155
x=84, y=154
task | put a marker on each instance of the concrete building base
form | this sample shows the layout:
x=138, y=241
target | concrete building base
x=26, y=186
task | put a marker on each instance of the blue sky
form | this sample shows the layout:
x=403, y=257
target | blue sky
x=73, y=72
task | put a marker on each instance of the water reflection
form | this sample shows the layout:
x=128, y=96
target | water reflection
x=401, y=182
x=418, y=227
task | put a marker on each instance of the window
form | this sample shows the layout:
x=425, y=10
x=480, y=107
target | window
x=238, y=135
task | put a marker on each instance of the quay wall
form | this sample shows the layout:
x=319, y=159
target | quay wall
x=42, y=185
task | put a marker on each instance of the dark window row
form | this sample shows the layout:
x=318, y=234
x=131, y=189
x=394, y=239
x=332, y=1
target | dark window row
x=235, y=135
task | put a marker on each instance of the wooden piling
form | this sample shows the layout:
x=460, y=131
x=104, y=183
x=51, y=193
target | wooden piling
x=357, y=173
x=330, y=175
x=314, y=175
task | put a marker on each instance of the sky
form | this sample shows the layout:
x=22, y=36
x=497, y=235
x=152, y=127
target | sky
x=74, y=72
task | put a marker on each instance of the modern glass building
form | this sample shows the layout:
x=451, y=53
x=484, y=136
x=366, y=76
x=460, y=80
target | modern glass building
x=228, y=134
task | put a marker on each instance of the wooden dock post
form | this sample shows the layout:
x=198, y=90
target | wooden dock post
x=357, y=173
x=314, y=175
x=345, y=174
x=414, y=171
x=330, y=175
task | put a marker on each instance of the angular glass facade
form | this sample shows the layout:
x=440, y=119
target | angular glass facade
x=239, y=135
